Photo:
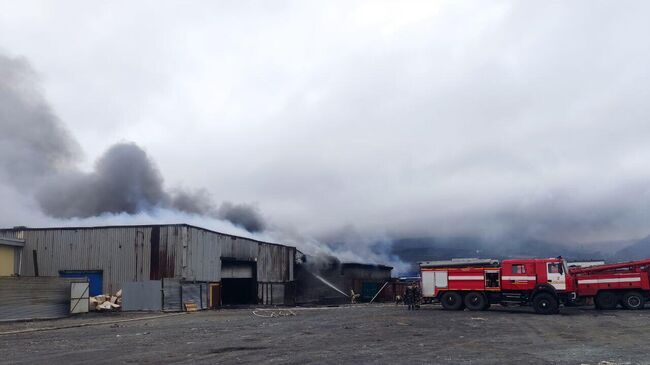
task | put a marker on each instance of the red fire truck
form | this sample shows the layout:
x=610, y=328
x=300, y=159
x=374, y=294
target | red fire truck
x=475, y=284
x=625, y=283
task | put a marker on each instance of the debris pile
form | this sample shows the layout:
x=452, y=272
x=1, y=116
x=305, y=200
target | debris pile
x=106, y=302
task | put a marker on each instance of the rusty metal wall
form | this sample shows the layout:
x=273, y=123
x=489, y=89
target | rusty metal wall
x=275, y=263
x=205, y=249
x=202, y=256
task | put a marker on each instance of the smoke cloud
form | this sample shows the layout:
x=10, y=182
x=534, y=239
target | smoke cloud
x=38, y=156
x=33, y=142
x=244, y=215
x=513, y=122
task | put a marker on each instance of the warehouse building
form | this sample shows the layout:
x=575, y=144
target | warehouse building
x=184, y=261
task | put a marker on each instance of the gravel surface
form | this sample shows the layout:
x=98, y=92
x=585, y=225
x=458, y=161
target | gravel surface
x=377, y=334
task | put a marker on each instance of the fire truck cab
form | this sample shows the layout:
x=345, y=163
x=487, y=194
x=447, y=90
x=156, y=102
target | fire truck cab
x=476, y=284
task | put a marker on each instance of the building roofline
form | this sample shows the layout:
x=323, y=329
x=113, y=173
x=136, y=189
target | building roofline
x=12, y=242
x=374, y=266
x=21, y=228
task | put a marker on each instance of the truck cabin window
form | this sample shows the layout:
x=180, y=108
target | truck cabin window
x=518, y=269
x=555, y=268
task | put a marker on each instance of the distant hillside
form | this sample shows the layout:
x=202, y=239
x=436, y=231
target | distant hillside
x=635, y=251
x=412, y=250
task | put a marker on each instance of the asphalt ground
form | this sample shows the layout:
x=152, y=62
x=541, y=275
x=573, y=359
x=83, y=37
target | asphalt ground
x=360, y=334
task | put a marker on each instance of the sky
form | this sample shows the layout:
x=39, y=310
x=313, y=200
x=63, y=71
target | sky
x=350, y=120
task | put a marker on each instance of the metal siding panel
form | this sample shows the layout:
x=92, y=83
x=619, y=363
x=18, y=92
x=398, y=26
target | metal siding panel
x=192, y=292
x=145, y=295
x=172, y=295
x=34, y=298
x=124, y=253
x=204, y=255
x=278, y=294
x=119, y=252
x=273, y=263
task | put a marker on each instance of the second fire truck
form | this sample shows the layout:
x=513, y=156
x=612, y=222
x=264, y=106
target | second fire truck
x=476, y=284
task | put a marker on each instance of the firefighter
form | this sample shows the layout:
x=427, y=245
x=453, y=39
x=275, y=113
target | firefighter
x=354, y=297
x=409, y=297
x=417, y=297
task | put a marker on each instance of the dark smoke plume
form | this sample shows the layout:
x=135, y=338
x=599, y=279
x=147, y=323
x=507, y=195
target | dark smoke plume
x=33, y=142
x=200, y=202
x=243, y=215
x=125, y=180
x=38, y=156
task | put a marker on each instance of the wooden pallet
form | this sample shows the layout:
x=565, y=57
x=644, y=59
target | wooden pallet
x=191, y=307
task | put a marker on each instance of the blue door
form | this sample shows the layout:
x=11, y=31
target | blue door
x=95, y=278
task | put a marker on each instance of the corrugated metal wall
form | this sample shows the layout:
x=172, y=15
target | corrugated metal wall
x=34, y=298
x=205, y=250
x=176, y=292
x=138, y=253
x=121, y=253
x=275, y=263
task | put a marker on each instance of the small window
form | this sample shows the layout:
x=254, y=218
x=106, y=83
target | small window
x=554, y=268
x=518, y=269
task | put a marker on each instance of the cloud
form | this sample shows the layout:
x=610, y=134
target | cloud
x=507, y=121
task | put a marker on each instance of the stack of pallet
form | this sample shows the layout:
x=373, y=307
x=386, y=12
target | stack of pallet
x=106, y=302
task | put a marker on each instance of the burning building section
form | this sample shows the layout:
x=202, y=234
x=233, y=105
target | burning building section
x=326, y=280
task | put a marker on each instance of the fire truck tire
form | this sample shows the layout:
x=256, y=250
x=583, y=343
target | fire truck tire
x=545, y=303
x=633, y=300
x=452, y=300
x=475, y=301
x=606, y=300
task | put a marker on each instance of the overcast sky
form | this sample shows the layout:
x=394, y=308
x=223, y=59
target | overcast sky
x=397, y=118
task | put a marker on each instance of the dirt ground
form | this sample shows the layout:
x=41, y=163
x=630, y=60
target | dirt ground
x=376, y=334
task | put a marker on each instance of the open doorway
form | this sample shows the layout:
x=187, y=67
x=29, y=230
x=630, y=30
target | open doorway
x=238, y=291
x=238, y=282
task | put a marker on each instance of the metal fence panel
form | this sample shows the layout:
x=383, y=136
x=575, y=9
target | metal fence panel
x=142, y=296
x=34, y=298
x=192, y=293
x=172, y=295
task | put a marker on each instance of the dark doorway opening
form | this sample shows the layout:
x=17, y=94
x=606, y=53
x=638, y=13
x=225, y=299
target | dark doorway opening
x=238, y=291
x=215, y=295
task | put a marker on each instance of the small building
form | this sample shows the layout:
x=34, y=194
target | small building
x=210, y=267
x=325, y=280
x=11, y=250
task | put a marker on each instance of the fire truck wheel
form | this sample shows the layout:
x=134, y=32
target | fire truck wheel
x=452, y=301
x=545, y=303
x=606, y=300
x=475, y=301
x=633, y=300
